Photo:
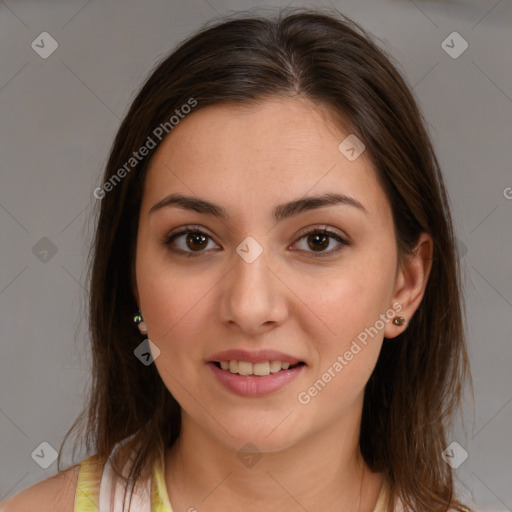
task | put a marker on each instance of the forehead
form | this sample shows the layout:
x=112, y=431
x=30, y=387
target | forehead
x=278, y=148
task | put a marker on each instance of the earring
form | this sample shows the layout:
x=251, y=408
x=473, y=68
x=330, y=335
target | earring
x=143, y=328
x=399, y=320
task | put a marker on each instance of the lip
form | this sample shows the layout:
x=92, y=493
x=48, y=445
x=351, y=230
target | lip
x=255, y=386
x=257, y=356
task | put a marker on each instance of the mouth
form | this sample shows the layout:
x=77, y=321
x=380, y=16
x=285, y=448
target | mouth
x=259, y=369
x=255, y=378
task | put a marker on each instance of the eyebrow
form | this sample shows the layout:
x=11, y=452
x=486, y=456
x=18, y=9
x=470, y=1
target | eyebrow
x=282, y=211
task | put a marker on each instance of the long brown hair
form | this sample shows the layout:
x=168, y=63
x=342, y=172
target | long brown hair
x=418, y=382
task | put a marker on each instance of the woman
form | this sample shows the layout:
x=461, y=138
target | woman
x=276, y=308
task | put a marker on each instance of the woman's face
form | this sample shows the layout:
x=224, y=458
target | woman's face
x=257, y=280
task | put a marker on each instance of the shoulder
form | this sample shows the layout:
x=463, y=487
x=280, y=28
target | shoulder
x=54, y=494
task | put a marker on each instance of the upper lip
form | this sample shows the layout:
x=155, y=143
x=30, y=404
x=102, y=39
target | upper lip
x=256, y=356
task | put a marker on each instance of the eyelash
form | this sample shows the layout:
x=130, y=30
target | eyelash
x=196, y=231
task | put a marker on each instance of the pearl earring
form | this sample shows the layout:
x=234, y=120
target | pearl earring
x=143, y=328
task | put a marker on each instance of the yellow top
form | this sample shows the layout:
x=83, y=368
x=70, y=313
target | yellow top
x=93, y=477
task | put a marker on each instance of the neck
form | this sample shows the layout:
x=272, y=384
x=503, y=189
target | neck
x=326, y=473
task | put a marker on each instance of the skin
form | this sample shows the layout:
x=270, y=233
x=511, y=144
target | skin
x=249, y=159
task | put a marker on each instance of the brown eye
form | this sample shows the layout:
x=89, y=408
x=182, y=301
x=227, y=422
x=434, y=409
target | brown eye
x=189, y=242
x=196, y=241
x=318, y=240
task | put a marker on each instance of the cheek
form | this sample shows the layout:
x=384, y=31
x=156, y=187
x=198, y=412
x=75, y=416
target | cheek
x=170, y=297
x=173, y=306
x=349, y=303
x=349, y=343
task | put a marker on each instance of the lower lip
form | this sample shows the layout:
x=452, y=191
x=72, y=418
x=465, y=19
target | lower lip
x=253, y=386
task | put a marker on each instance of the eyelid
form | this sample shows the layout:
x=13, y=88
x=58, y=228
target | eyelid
x=323, y=228
x=187, y=228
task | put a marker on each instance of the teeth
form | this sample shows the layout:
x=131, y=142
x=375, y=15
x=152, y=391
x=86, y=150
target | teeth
x=244, y=368
x=261, y=368
x=275, y=366
x=247, y=368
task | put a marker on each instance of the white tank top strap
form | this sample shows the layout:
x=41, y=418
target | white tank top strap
x=112, y=490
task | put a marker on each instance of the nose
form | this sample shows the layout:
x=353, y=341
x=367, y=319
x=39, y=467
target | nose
x=253, y=298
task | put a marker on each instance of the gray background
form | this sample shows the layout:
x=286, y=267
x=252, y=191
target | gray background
x=58, y=119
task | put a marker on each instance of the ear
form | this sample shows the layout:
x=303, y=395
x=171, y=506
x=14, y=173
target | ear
x=410, y=283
